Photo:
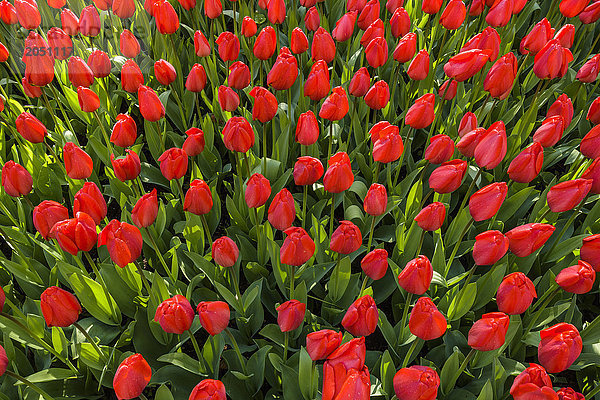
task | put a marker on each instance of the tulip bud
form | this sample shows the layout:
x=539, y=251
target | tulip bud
x=78, y=163
x=123, y=240
x=209, y=389
x=406, y=48
x=165, y=17
x=344, y=27
x=566, y=195
x=563, y=107
x=290, y=315
x=164, y=72
x=527, y=164
x=89, y=21
x=566, y=36
x=238, y=134
x=228, y=99
x=312, y=20
x=239, y=75
x=196, y=80
x=323, y=46
x=419, y=67
x=593, y=173
x=128, y=44
x=124, y=132
x=8, y=13
x=525, y=239
x=416, y=383
x=201, y=45
x=515, y=294
x=335, y=107
x=569, y=394
x=375, y=264
x=61, y=46
x=282, y=211
x=466, y=64
x=175, y=315
x=145, y=210
x=421, y=114
x=16, y=180
x=321, y=344
x=590, y=251
x=359, y=84
x=491, y=149
x=88, y=99
x=28, y=14
x=298, y=41
x=447, y=177
x=499, y=13
x=30, y=90
x=258, y=190
x=416, y=276
x=500, y=78
x=440, y=149
x=131, y=77
x=361, y=317
x=307, y=129
x=339, y=176
x=75, y=234
x=173, y=163
x=490, y=246
x=552, y=61
x=377, y=52
x=550, y=132
x=89, y=200
x=265, y=104
x=589, y=144
x=59, y=307
x=454, y=15
x=99, y=63
x=103, y=5
x=347, y=358
x=589, y=71
x=448, y=90
x=572, y=8
x=284, y=72
x=297, y=247
x=489, y=332
x=378, y=95
x=559, y=347
x=151, y=107
x=213, y=8
x=346, y=238
x=533, y=381
x=249, y=27
x=535, y=40
x=468, y=123
x=426, y=322
x=593, y=114
x=375, y=201
x=132, y=377
x=225, y=252
x=317, y=83
x=30, y=128
x=486, y=202
x=45, y=215
x=400, y=23
x=431, y=7
x=198, y=198
x=265, y=43
x=577, y=279
x=590, y=14
x=488, y=39
x=375, y=30
x=214, y=316
x=431, y=217
x=369, y=14
x=229, y=46
x=194, y=143
x=123, y=9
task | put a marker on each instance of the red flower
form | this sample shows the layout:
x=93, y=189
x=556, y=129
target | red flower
x=589, y=145
x=399, y=22
x=298, y=41
x=282, y=211
x=265, y=104
x=416, y=276
x=572, y=8
x=127, y=168
x=213, y=8
x=322, y=343
x=198, y=199
x=346, y=238
x=416, y=383
x=30, y=128
x=28, y=14
x=421, y=114
x=59, y=307
x=577, y=279
x=78, y=163
x=344, y=27
x=16, y=180
x=132, y=377
x=229, y=46
x=490, y=246
x=173, y=163
x=491, y=149
x=307, y=170
x=375, y=201
x=431, y=217
x=593, y=173
x=89, y=200
x=426, y=322
x=340, y=364
x=249, y=27
x=361, y=317
x=431, y=7
x=167, y=21
x=88, y=100
x=175, y=315
x=238, y=134
x=486, y=202
x=566, y=35
x=124, y=242
x=164, y=72
x=209, y=389
x=151, y=107
x=440, y=149
x=448, y=90
x=537, y=38
x=454, y=14
x=375, y=264
x=566, y=195
x=419, y=67
x=145, y=210
x=194, y=142
x=590, y=14
x=378, y=95
x=201, y=45
x=569, y=394
x=488, y=39
x=131, y=77
x=317, y=83
x=214, y=316
x=532, y=378
x=500, y=78
x=312, y=20
x=466, y=64
x=589, y=71
x=515, y=294
x=527, y=164
x=377, y=52
x=124, y=132
x=489, y=332
x=45, y=215
x=550, y=132
x=290, y=315
x=559, y=347
x=590, y=251
x=552, y=61
x=89, y=21
x=467, y=124
x=368, y=14
x=239, y=75
x=323, y=46
x=284, y=72
x=61, y=43
x=499, y=13
x=406, y=48
x=265, y=43
x=339, y=176
x=359, y=84
x=447, y=177
x=307, y=129
x=258, y=191
x=196, y=80
x=525, y=239
x=75, y=234
x=225, y=252
x=297, y=248
x=276, y=11
x=128, y=44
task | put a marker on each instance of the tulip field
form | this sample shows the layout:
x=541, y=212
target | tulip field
x=299, y=199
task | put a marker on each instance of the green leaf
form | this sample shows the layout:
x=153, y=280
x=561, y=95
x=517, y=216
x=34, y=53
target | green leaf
x=182, y=360
x=449, y=369
x=94, y=299
x=338, y=283
x=387, y=372
x=50, y=375
x=308, y=376
x=163, y=393
x=487, y=392
x=461, y=304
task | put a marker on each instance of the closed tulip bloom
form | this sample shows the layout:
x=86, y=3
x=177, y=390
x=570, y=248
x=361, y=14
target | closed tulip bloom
x=375, y=264
x=590, y=251
x=421, y=114
x=75, y=234
x=16, y=180
x=284, y=72
x=589, y=71
x=99, y=63
x=393, y=5
x=225, y=252
x=196, y=80
x=569, y=394
x=559, y=347
x=552, y=61
x=527, y=165
x=307, y=170
x=321, y=344
x=353, y=5
x=28, y=14
x=499, y=13
x=593, y=173
x=368, y=14
x=124, y=132
x=344, y=27
x=229, y=46
x=132, y=377
x=298, y=41
x=45, y=215
x=282, y=211
x=526, y=392
x=488, y=39
x=78, y=163
x=577, y=279
x=213, y=8
x=490, y=246
x=239, y=75
x=406, y=48
x=339, y=176
x=359, y=84
x=563, y=106
x=131, y=77
x=500, y=78
x=590, y=14
x=317, y=83
x=307, y=129
x=489, y=332
x=312, y=20
x=515, y=294
x=572, y=8
x=8, y=13
x=466, y=64
x=128, y=44
x=534, y=376
x=350, y=355
x=39, y=69
x=238, y=134
x=589, y=144
x=249, y=27
x=173, y=163
x=30, y=90
x=209, y=389
x=491, y=149
x=297, y=248
x=375, y=201
x=198, y=199
x=265, y=43
x=378, y=95
x=175, y=315
x=346, y=238
x=454, y=15
x=448, y=90
x=323, y=46
x=290, y=315
x=447, y=177
x=518, y=6
x=123, y=240
x=165, y=17
x=265, y=104
x=486, y=202
x=373, y=31
x=550, y=132
x=566, y=195
x=467, y=124
x=88, y=99
x=164, y=72
x=228, y=99
x=416, y=276
x=416, y=383
x=145, y=210
x=400, y=22
x=377, y=52
x=188, y=4
x=426, y=321
x=361, y=317
x=431, y=6
x=356, y=385
x=151, y=107
x=419, y=67
x=89, y=21
x=431, y=217
x=440, y=149
x=123, y=8
x=89, y=200
x=61, y=45
x=469, y=142
x=103, y=5
x=537, y=38
x=59, y=307
x=258, y=190
x=3, y=359
x=526, y=239
x=201, y=45
x=566, y=35
x=336, y=106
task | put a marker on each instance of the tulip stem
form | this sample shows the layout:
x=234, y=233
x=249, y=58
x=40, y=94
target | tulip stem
x=216, y=360
x=421, y=242
x=370, y=241
x=330, y=140
x=405, y=314
x=540, y=219
x=101, y=281
x=237, y=350
x=564, y=229
x=141, y=396
x=201, y=359
x=62, y=110
x=593, y=392
x=304, y=199
x=286, y=340
x=144, y=279
x=104, y=134
x=33, y=386
x=466, y=196
x=91, y=341
x=235, y=284
x=264, y=146
x=206, y=230
x=455, y=250
x=292, y=280
x=364, y=285
x=410, y=351
x=376, y=173
x=331, y=217
x=160, y=257
x=180, y=189
x=462, y=367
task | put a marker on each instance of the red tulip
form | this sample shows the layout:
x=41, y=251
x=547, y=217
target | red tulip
x=228, y=99
x=132, y=377
x=377, y=52
x=447, y=177
x=175, y=315
x=312, y=20
x=59, y=307
x=323, y=46
x=61, y=45
x=590, y=14
x=238, y=134
x=151, y=107
x=201, y=45
x=419, y=67
x=89, y=200
x=78, y=163
x=563, y=107
x=589, y=71
x=258, y=190
x=321, y=344
x=466, y=64
x=89, y=21
x=88, y=99
x=426, y=322
x=489, y=332
x=336, y=106
x=347, y=358
x=16, y=180
x=213, y=8
x=8, y=13
x=209, y=389
x=307, y=170
x=123, y=240
x=103, y=5
x=282, y=211
x=515, y=294
x=566, y=195
x=488, y=39
x=416, y=383
x=194, y=142
x=339, y=176
x=552, y=61
x=550, y=132
x=352, y=5
x=416, y=276
x=454, y=15
x=375, y=264
x=124, y=132
x=131, y=77
x=393, y=5
x=128, y=44
x=486, y=202
x=532, y=378
x=559, y=347
x=406, y=48
x=3, y=360
x=368, y=14
x=145, y=210
x=225, y=252
x=173, y=163
x=30, y=90
x=569, y=394
x=593, y=114
x=527, y=164
x=499, y=13
x=593, y=173
x=45, y=215
x=265, y=43
x=187, y=4
x=500, y=78
x=431, y=217
x=123, y=8
x=566, y=35
x=265, y=104
x=344, y=27
x=307, y=129
x=375, y=201
x=276, y=11
x=577, y=279
x=431, y=6
x=297, y=247
x=361, y=317
x=468, y=123
x=198, y=199
x=375, y=30
x=357, y=385
x=75, y=234
x=448, y=90
x=164, y=72
x=39, y=69
x=378, y=95
x=298, y=41
x=165, y=17
x=229, y=46
x=400, y=22
x=284, y=72
x=525, y=239
x=490, y=246
x=290, y=315
x=346, y=238
x=589, y=144
x=214, y=316
x=537, y=38
x=421, y=114
x=196, y=80
x=28, y=14
x=492, y=145
x=572, y=8
x=440, y=149
x=99, y=63
x=249, y=27
x=590, y=251
x=317, y=83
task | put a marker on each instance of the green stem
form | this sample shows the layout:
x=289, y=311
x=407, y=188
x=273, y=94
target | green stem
x=33, y=386
x=462, y=367
x=364, y=285
x=292, y=280
x=410, y=351
x=371, y=234
x=234, y=282
x=595, y=390
x=237, y=350
x=264, y=146
x=144, y=279
x=160, y=257
x=216, y=361
x=286, y=340
x=304, y=199
x=91, y=341
x=104, y=134
x=405, y=315
x=331, y=217
x=455, y=250
x=101, y=279
x=564, y=229
x=206, y=230
x=197, y=349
